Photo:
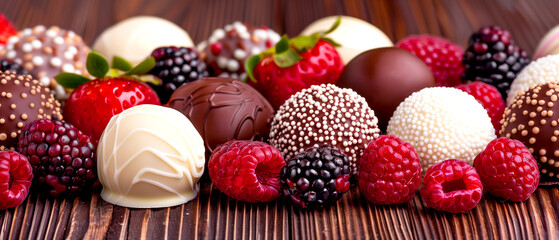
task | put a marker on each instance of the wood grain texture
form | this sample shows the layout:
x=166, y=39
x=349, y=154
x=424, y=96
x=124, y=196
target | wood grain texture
x=214, y=216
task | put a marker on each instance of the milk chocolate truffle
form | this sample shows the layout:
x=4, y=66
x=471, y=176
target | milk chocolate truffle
x=533, y=119
x=324, y=114
x=150, y=156
x=22, y=100
x=442, y=123
x=47, y=52
x=223, y=109
x=385, y=77
x=227, y=49
x=543, y=70
x=134, y=38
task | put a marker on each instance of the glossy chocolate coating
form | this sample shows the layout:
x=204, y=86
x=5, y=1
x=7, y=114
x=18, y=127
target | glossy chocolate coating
x=385, y=77
x=223, y=109
x=22, y=100
x=532, y=120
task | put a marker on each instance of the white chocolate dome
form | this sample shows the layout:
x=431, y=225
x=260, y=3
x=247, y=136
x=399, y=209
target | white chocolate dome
x=135, y=38
x=442, y=123
x=354, y=34
x=150, y=156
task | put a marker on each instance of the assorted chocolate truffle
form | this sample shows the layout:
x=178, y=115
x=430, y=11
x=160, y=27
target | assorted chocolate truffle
x=543, y=70
x=549, y=44
x=385, y=77
x=533, y=118
x=353, y=34
x=22, y=100
x=47, y=52
x=227, y=49
x=150, y=156
x=223, y=109
x=324, y=114
x=442, y=123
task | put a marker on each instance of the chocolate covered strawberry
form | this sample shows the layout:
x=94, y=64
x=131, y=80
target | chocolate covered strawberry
x=293, y=65
x=92, y=104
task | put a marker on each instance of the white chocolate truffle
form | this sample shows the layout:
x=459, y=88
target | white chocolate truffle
x=549, y=44
x=543, y=70
x=134, y=38
x=324, y=114
x=442, y=123
x=355, y=35
x=150, y=156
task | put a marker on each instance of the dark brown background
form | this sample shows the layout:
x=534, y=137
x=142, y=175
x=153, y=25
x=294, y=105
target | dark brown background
x=212, y=215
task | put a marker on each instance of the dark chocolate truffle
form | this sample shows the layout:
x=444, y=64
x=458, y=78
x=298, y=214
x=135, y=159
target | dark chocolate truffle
x=223, y=109
x=385, y=77
x=227, y=49
x=22, y=100
x=532, y=118
x=47, y=52
x=324, y=114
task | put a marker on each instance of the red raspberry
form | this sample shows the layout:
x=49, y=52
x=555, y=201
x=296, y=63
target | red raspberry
x=443, y=57
x=247, y=170
x=15, y=179
x=451, y=186
x=490, y=98
x=389, y=171
x=508, y=170
x=7, y=29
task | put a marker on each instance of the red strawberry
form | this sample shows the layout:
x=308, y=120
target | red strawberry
x=293, y=65
x=443, y=57
x=7, y=29
x=490, y=98
x=92, y=104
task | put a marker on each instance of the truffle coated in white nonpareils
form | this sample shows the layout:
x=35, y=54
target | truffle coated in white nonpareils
x=543, y=70
x=442, y=123
x=324, y=114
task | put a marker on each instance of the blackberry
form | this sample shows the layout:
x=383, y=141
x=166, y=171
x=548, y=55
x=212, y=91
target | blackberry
x=62, y=157
x=6, y=65
x=316, y=177
x=175, y=67
x=493, y=58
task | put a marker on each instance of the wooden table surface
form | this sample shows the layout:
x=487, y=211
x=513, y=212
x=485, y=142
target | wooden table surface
x=214, y=216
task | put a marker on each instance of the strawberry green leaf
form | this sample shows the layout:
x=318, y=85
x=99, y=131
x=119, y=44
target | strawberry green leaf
x=332, y=42
x=96, y=64
x=304, y=43
x=142, y=68
x=336, y=24
x=287, y=58
x=70, y=80
x=250, y=64
x=121, y=64
x=148, y=78
x=282, y=45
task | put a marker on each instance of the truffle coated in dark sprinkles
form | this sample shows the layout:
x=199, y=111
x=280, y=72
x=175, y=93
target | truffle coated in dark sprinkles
x=324, y=114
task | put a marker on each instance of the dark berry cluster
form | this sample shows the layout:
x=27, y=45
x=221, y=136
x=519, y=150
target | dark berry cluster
x=493, y=58
x=316, y=177
x=6, y=65
x=175, y=67
x=62, y=157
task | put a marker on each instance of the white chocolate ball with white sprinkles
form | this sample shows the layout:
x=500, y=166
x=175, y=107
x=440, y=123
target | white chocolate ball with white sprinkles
x=533, y=119
x=47, y=52
x=442, y=123
x=22, y=100
x=324, y=114
x=543, y=70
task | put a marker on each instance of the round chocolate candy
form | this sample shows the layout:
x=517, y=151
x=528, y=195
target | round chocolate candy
x=532, y=119
x=223, y=109
x=47, y=52
x=324, y=114
x=227, y=49
x=22, y=100
x=385, y=77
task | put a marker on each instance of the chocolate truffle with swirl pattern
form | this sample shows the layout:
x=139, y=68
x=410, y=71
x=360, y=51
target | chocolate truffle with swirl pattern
x=223, y=109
